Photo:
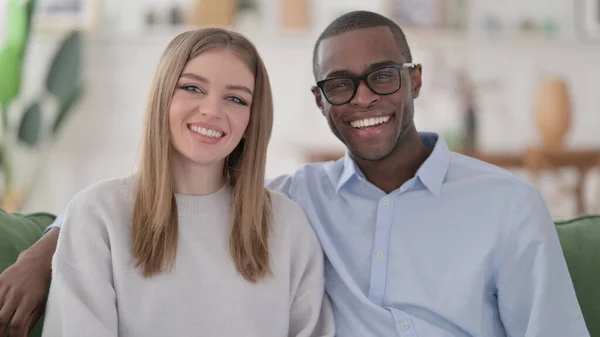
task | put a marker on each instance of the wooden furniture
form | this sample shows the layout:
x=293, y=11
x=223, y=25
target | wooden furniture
x=534, y=161
x=506, y=160
x=538, y=160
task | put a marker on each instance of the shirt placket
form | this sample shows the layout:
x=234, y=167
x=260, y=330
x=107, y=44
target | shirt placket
x=379, y=255
x=379, y=262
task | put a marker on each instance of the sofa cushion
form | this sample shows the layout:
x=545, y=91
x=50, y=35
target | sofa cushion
x=579, y=237
x=580, y=240
x=17, y=233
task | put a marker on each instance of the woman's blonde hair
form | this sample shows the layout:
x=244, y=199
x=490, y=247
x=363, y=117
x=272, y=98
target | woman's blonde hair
x=155, y=227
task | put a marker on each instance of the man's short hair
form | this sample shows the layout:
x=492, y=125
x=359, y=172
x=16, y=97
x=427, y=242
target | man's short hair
x=360, y=20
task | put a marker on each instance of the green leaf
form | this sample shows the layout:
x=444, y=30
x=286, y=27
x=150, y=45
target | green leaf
x=31, y=124
x=65, y=78
x=65, y=108
x=13, y=50
x=65, y=75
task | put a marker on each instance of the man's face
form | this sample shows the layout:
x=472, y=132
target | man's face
x=370, y=125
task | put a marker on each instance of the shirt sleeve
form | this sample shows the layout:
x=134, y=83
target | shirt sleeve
x=311, y=313
x=535, y=293
x=81, y=300
x=57, y=223
x=281, y=184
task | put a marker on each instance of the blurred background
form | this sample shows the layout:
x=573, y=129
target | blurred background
x=514, y=83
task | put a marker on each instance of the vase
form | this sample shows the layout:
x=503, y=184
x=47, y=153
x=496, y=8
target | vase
x=294, y=14
x=553, y=112
x=213, y=13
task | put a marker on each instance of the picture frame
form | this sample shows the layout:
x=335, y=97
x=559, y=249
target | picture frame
x=62, y=15
x=417, y=14
x=588, y=17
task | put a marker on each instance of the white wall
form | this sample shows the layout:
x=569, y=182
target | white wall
x=101, y=138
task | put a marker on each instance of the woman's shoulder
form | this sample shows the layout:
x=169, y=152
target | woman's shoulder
x=107, y=192
x=97, y=210
x=290, y=218
x=284, y=206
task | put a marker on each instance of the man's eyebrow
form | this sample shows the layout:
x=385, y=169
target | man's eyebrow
x=204, y=80
x=337, y=73
x=344, y=72
x=382, y=64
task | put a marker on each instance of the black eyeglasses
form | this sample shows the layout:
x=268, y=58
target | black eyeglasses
x=382, y=81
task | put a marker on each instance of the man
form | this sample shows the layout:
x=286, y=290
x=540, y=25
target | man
x=419, y=241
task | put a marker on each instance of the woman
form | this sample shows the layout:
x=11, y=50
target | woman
x=192, y=244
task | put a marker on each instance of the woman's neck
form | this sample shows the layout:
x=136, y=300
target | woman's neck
x=193, y=179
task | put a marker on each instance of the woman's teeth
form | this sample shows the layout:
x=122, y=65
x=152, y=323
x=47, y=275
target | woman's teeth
x=363, y=123
x=206, y=132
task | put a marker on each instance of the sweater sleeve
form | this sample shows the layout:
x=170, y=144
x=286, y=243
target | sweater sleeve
x=311, y=313
x=82, y=300
x=57, y=223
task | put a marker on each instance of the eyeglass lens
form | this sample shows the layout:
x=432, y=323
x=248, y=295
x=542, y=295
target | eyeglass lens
x=382, y=82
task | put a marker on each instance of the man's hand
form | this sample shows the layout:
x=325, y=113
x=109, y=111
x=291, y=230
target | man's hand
x=24, y=287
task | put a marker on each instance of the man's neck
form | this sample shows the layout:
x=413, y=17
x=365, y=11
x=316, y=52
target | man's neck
x=401, y=165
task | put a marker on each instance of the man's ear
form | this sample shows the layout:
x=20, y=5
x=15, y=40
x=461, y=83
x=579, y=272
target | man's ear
x=416, y=80
x=318, y=98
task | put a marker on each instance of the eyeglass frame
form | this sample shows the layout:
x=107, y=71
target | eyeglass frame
x=364, y=78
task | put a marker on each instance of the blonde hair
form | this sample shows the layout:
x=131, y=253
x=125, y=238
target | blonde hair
x=155, y=227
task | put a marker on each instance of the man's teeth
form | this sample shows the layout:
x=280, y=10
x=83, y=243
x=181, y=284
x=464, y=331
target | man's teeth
x=369, y=122
x=206, y=132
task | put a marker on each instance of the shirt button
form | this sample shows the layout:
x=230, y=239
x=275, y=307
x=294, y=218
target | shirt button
x=379, y=256
x=404, y=326
x=362, y=183
x=386, y=202
x=576, y=314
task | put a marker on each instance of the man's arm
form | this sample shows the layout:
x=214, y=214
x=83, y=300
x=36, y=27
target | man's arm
x=281, y=184
x=535, y=293
x=24, y=286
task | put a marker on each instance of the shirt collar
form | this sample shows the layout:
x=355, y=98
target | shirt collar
x=431, y=173
x=349, y=170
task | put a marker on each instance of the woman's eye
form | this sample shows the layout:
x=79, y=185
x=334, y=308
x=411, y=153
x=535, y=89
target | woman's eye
x=191, y=88
x=237, y=100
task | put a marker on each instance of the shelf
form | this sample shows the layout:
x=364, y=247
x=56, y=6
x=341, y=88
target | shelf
x=418, y=39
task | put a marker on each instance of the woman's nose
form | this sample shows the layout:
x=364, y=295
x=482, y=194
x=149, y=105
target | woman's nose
x=211, y=107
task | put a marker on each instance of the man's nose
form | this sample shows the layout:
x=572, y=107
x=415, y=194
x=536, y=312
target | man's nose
x=364, y=96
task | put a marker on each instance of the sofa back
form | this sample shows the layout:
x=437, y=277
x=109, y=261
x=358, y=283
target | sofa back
x=17, y=233
x=580, y=241
x=579, y=237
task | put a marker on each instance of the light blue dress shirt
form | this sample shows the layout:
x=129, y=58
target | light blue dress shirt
x=462, y=249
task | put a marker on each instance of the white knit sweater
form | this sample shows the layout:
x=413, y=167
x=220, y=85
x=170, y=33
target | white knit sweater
x=97, y=292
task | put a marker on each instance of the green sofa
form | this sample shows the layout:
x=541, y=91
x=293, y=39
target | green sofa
x=580, y=239
x=17, y=233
